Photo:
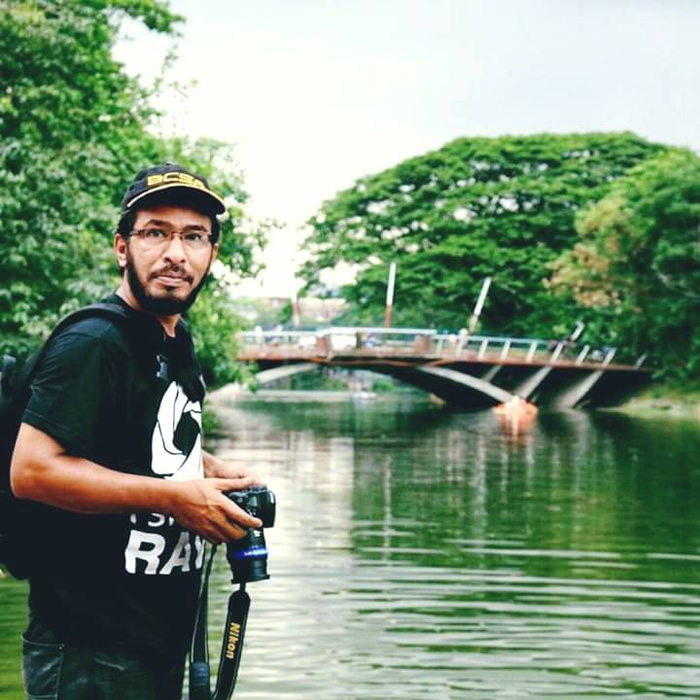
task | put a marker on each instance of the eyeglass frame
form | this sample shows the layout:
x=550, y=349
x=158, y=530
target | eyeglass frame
x=169, y=235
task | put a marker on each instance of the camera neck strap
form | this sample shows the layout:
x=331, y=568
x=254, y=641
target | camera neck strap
x=231, y=645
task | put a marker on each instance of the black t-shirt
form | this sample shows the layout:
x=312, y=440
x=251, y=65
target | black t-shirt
x=124, y=395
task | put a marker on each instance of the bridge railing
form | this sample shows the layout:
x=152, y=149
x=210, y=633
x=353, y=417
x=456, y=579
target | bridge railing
x=368, y=341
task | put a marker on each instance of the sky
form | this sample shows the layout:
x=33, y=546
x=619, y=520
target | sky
x=318, y=93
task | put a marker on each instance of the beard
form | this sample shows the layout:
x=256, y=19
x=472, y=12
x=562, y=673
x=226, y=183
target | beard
x=159, y=306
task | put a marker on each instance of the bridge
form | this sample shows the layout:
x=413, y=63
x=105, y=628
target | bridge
x=470, y=371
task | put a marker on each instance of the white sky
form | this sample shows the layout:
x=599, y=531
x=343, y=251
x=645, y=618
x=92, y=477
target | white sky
x=317, y=93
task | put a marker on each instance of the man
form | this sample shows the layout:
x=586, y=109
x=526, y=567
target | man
x=110, y=452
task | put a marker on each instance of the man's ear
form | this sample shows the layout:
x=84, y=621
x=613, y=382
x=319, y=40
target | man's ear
x=120, y=250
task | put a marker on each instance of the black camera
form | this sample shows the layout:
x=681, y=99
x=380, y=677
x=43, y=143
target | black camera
x=247, y=557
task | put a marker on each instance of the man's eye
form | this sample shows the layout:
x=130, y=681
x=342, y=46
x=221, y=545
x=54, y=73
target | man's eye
x=154, y=233
x=194, y=237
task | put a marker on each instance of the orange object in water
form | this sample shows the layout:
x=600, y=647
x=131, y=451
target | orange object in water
x=516, y=406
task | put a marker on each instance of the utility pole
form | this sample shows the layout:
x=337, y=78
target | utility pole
x=295, y=311
x=479, y=304
x=576, y=333
x=390, y=295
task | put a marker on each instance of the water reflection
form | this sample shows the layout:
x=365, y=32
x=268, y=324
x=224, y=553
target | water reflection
x=422, y=554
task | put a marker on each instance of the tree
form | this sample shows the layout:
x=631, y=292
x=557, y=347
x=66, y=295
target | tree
x=74, y=128
x=71, y=126
x=478, y=207
x=637, y=263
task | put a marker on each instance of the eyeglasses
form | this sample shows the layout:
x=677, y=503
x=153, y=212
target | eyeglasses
x=159, y=237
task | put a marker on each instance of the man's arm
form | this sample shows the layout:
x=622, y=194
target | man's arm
x=42, y=471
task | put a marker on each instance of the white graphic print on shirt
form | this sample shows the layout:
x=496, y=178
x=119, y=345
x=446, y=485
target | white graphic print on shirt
x=157, y=544
x=176, y=446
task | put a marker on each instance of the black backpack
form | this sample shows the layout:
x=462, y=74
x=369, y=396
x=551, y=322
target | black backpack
x=15, y=383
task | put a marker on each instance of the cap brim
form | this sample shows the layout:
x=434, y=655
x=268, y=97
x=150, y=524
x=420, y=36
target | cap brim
x=210, y=202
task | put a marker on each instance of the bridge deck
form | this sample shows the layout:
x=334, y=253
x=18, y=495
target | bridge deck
x=408, y=358
x=459, y=368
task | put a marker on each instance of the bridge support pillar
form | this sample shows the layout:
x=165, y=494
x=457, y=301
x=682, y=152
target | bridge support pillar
x=527, y=388
x=421, y=344
x=322, y=345
x=573, y=396
x=481, y=386
x=283, y=371
x=488, y=377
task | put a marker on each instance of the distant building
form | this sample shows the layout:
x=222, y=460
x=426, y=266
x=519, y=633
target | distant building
x=269, y=312
x=315, y=311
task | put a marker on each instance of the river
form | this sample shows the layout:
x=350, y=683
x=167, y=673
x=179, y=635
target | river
x=422, y=553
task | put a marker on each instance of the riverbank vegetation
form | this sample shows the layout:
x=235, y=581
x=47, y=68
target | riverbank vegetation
x=663, y=398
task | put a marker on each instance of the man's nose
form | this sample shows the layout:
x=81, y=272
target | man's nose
x=175, y=249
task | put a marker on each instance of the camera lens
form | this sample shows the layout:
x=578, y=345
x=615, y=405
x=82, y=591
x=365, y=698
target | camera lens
x=247, y=557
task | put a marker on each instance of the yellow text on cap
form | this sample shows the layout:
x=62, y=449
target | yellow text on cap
x=174, y=177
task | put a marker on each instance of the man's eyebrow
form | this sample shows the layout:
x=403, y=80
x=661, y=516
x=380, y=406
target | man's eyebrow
x=167, y=224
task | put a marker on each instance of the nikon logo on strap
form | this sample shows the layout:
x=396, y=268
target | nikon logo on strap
x=234, y=634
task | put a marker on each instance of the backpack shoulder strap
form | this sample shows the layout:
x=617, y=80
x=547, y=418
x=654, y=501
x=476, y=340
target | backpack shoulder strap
x=115, y=312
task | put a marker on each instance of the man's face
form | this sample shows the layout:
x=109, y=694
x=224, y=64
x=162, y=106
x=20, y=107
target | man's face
x=164, y=272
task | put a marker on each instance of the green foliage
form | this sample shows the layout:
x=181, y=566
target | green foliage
x=71, y=127
x=214, y=329
x=478, y=207
x=74, y=128
x=637, y=262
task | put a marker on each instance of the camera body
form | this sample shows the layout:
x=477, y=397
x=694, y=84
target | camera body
x=259, y=501
x=247, y=557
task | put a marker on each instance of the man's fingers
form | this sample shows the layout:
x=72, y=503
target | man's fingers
x=240, y=517
x=235, y=514
x=228, y=526
x=238, y=483
x=204, y=508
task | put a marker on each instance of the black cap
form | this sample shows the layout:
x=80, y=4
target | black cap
x=172, y=183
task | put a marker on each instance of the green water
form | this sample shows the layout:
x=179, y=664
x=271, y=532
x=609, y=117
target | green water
x=420, y=553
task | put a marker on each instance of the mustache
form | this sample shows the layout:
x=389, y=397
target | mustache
x=172, y=271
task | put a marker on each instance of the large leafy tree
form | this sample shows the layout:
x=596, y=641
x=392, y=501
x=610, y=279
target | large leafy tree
x=74, y=128
x=478, y=207
x=637, y=262
x=71, y=127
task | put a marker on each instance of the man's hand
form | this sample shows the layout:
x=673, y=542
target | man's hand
x=207, y=511
x=202, y=507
